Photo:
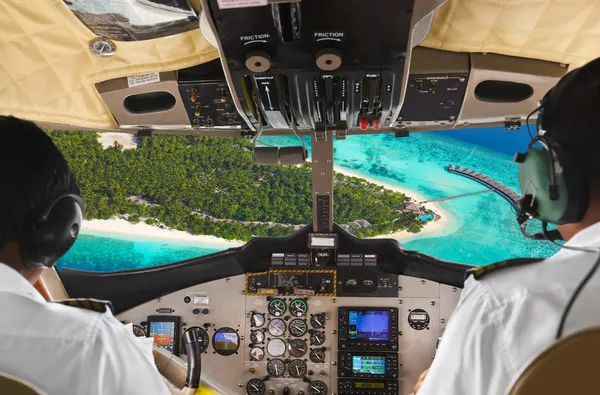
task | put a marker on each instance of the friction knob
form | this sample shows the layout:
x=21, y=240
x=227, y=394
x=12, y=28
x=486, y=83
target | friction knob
x=258, y=61
x=376, y=123
x=329, y=59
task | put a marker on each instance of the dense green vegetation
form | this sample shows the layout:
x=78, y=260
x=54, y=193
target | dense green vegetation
x=208, y=185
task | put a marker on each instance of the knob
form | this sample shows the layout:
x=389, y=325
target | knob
x=329, y=59
x=271, y=391
x=376, y=124
x=363, y=122
x=258, y=62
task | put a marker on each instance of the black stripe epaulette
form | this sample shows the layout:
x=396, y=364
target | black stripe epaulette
x=101, y=306
x=480, y=271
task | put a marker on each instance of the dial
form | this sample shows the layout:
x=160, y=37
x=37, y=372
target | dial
x=257, y=354
x=317, y=321
x=138, y=331
x=297, y=368
x=257, y=336
x=297, y=348
x=103, y=47
x=317, y=338
x=276, y=347
x=275, y=368
x=255, y=387
x=298, y=307
x=317, y=388
x=317, y=355
x=201, y=335
x=297, y=327
x=277, y=307
x=418, y=319
x=276, y=327
x=257, y=320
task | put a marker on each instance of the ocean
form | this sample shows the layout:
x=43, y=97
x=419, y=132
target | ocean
x=482, y=227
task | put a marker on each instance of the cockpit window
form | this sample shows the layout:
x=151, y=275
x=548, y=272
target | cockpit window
x=162, y=199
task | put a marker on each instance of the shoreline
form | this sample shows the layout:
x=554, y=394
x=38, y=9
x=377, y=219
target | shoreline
x=142, y=231
x=431, y=228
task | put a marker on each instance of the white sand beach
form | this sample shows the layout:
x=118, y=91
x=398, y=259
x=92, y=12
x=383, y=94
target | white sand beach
x=431, y=228
x=116, y=227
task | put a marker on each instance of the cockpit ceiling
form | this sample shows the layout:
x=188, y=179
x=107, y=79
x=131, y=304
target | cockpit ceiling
x=562, y=31
x=47, y=72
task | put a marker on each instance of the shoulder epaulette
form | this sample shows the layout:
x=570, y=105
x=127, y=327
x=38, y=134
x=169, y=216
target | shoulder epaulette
x=101, y=306
x=480, y=271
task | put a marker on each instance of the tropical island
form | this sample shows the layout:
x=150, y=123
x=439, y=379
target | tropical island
x=210, y=186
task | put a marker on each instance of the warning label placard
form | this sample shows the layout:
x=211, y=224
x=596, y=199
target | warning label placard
x=240, y=3
x=143, y=79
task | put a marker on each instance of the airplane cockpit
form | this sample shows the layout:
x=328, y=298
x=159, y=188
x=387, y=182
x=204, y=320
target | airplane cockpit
x=321, y=311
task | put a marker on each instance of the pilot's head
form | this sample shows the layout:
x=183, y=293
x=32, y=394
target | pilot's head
x=37, y=222
x=571, y=116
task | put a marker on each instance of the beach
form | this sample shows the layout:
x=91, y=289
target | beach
x=431, y=228
x=141, y=231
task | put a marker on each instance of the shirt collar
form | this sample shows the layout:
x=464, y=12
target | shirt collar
x=12, y=281
x=588, y=237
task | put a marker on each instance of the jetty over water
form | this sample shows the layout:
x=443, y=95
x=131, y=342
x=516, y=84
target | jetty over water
x=511, y=196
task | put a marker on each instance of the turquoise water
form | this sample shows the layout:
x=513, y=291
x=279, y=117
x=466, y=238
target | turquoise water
x=105, y=254
x=482, y=227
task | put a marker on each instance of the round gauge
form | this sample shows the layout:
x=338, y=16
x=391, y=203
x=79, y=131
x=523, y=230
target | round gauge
x=276, y=347
x=275, y=368
x=298, y=307
x=257, y=354
x=257, y=320
x=277, y=307
x=276, y=327
x=138, y=331
x=103, y=47
x=201, y=335
x=317, y=321
x=257, y=336
x=317, y=338
x=317, y=388
x=226, y=341
x=297, y=348
x=418, y=319
x=255, y=387
x=297, y=327
x=317, y=355
x=297, y=368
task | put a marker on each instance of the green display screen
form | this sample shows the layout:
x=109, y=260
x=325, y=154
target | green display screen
x=359, y=384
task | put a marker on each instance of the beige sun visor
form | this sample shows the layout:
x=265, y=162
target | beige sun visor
x=562, y=31
x=48, y=72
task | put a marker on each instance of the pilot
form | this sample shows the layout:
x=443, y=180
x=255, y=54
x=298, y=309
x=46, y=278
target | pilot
x=57, y=348
x=509, y=313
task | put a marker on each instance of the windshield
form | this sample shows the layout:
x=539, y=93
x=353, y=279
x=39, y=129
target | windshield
x=162, y=199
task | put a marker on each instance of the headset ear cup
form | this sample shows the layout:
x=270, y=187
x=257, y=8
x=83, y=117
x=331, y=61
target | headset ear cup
x=47, y=237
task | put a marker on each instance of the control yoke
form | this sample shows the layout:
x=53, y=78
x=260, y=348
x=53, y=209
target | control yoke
x=192, y=343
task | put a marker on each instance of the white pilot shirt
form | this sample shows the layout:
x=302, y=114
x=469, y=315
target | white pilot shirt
x=506, y=318
x=65, y=350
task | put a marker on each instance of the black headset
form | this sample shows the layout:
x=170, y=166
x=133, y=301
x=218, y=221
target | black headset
x=47, y=233
x=552, y=183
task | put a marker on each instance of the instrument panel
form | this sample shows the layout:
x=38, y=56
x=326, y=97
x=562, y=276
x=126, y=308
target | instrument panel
x=290, y=340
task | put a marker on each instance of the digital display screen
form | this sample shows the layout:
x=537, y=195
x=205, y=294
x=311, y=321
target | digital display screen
x=363, y=364
x=226, y=341
x=163, y=334
x=419, y=317
x=369, y=325
x=360, y=384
